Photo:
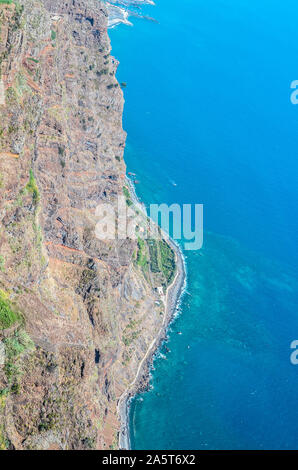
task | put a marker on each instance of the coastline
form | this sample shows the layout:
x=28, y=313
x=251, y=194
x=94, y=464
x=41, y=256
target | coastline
x=173, y=296
x=117, y=16
x=119, y=11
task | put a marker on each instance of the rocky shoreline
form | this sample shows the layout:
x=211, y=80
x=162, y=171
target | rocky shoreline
x=142, y=377
x=71, y=302
x=120, y=10
x=78, y=317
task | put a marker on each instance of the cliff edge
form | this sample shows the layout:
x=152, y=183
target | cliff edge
x=77, y=314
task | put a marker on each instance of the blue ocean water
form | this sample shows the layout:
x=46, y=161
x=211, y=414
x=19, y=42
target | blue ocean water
x=208, y=108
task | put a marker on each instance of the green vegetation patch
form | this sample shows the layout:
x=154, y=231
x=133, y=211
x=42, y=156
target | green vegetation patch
x=8, y=316
x=21, y=84
x=142, y=253
x=11, y=96
x=32, y=59
x=18, y=12
x=130, y=337
x=155, y=262
x=127, y=196
x=15, y=346
x=2, y=263
x=32, y=187
x=162, y=259
x=168, y=261
x=10, y=2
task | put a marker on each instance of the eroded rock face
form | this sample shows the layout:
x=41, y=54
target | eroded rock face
x=85, y=312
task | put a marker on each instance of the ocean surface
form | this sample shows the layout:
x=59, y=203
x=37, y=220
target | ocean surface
x=209, y=120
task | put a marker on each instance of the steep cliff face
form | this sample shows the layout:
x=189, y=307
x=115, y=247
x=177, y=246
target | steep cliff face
x=76, y=314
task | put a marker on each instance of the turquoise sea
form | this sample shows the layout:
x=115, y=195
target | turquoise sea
x=208, y=108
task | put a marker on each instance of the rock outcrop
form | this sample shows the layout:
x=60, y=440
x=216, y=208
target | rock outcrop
x=77, y=314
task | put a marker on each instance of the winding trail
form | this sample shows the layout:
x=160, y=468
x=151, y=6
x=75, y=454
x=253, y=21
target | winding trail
x=172, y=297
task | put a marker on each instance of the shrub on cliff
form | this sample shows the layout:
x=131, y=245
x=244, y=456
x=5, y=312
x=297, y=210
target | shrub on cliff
x=32, y=188
x=7, y=315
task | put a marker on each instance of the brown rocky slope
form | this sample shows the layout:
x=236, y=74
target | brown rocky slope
x=76, y=314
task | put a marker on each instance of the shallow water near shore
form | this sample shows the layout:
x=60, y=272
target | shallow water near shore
x=209, y=120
